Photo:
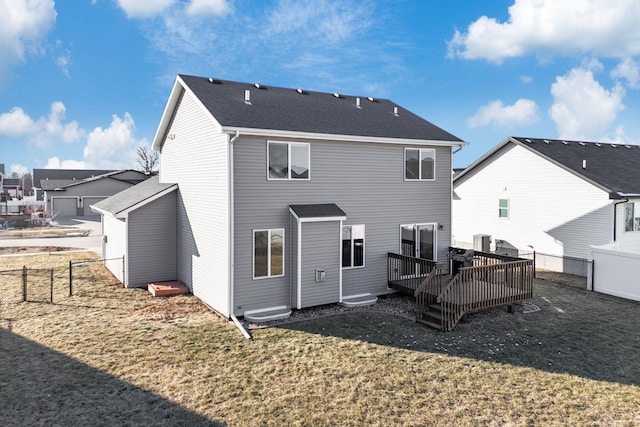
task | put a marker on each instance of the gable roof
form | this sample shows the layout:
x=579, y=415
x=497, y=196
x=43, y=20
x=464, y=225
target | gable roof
x=132, y=198
x=62, y=184
x=275, y=109
x=614, y=168
x=322, y=210
x=69, y=174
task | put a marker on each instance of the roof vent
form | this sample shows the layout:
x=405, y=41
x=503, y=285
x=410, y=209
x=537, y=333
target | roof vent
x=371, y=99
x=358, y=103
x=582, y=143
x=215, y=81
x=395, y=111
x=528, y=140
x=614, y=146
x=247, y=97
x=546, y=141
x=584, y=164
x=259, y=86
x=337, y=95
x=300, y=91
x=627, y=146
x=565, y=143
x=598, y=144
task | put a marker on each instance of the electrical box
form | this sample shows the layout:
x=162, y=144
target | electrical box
x=320, y=275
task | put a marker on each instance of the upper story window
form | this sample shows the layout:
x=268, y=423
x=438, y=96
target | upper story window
x=632, y=216
x=503, y=208
x=353, y=246
x=287, y=160
x=419, y=164
x=268, y=253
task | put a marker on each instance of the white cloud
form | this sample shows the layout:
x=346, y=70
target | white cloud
x=526, y=79
x=23, y=26
x=628, y=70
x=144, y=8
x=523, y=112
x=113, y=147
x=550, y=27
x=43, y=131
x=55, y=163
x=582, y=108
x=203, y=8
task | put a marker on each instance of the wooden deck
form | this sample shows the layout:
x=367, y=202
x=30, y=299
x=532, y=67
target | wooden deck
x=492, y=281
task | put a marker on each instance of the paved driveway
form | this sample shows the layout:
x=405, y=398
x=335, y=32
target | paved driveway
x=92, y=242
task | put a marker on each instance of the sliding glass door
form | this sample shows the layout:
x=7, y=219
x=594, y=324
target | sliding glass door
x=419, y=241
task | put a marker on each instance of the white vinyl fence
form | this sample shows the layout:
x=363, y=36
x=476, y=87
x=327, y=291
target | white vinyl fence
x=616, y=273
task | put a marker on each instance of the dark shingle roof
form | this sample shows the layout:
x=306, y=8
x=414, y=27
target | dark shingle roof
x=133, y=196
x=68, y=174
x=56, y=184
x=276, y=108
x=317, y=210
x=615, y=167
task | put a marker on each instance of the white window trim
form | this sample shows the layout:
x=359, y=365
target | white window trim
x=253, y=257
x=289, y=144
x=508, y=209
x=634, y=230
x=364, y=247
x=415, y=225
x=404, y=164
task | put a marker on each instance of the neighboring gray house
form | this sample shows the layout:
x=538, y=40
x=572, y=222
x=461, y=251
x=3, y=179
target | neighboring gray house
x=306, y=194
x=71, y=197
x=40, y=175
x=556, y=197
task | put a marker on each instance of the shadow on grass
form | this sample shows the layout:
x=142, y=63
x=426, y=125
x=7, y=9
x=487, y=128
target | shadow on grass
x=39, y=386
x=576, y=332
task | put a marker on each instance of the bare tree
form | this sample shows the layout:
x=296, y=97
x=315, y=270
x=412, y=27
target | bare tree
x=147, y=158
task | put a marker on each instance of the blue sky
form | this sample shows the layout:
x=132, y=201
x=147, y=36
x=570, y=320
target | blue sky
x=83, y=83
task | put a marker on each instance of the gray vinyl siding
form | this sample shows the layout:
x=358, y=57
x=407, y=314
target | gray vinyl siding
x=320, y=244
x=152, y=237
x=196, y=158
x=366, y=180
x=93, y=191
x=87, y=202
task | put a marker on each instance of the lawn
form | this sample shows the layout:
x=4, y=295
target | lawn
x=114, y=356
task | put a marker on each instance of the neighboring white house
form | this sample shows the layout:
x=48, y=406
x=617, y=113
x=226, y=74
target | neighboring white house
x=284, y=198
x=556, y=197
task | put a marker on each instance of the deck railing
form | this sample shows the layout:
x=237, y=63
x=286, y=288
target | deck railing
x=497, y=282
x=405, y=273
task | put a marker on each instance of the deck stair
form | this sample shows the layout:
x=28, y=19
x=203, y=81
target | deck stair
x=492, y=281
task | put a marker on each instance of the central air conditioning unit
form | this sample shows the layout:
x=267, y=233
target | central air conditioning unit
x=481, y=242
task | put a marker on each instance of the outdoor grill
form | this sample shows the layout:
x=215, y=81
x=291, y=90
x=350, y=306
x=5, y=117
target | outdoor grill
x=461, y=258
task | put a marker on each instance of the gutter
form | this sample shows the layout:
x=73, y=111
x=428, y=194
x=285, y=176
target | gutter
x=615, y=216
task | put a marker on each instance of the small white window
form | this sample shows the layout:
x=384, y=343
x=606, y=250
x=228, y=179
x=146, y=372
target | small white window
x=287, y=160
x=352, y=246
x=632, y=216
x=419, y=164
x=268, y=253
x=503, y=208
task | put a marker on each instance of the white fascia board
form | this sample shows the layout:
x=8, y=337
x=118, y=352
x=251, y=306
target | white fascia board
x=271, y=133
x=125, y=212
x=317, y=219
x=167, y=114
x=101, y=211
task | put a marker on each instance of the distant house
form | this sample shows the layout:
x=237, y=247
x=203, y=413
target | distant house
x=40, y=175
x=71, y=197
x=553, y=196
x=271, y=198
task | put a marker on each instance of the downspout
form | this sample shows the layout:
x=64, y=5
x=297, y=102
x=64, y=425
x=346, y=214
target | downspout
x=231, y=233
x=457, y=150
x=615, y=216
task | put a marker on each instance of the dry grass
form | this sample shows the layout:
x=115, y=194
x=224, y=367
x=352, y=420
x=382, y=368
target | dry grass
x=112, y=356
x=57, y=231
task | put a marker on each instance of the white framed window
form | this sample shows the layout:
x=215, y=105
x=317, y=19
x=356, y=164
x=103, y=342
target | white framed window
x=503, y=208
x=419, y=164
x=352, y=246
x=288, y=160
x=632, y=216
x=268, y=253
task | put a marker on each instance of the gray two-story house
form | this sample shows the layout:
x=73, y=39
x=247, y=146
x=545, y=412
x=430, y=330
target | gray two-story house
x=284, y=198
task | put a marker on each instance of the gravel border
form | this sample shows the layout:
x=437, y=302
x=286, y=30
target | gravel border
x=394, y=304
